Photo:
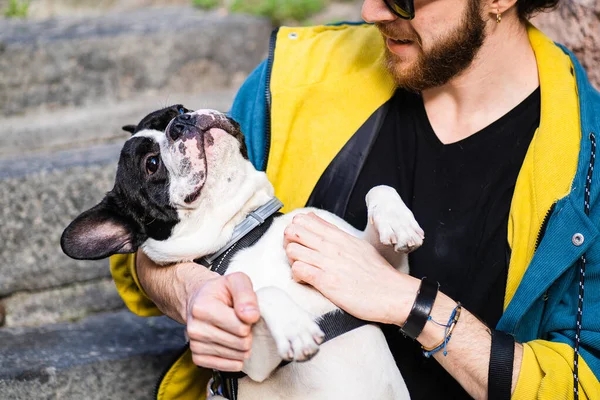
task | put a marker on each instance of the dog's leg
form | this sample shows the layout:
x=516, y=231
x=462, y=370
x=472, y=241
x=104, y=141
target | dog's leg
x=285, y=332
x=391, y=227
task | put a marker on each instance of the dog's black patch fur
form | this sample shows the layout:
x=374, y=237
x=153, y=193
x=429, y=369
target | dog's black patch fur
x=158, y=118
x=236, y=132
x=138, y=207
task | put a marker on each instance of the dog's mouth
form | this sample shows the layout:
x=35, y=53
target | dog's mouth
x=190, y=137
x=190, y=198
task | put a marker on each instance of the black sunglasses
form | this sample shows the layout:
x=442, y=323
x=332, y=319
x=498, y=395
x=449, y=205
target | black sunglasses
x=404, y=9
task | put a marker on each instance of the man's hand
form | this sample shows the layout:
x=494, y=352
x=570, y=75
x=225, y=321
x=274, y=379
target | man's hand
x=347, y=270
x=218, y=311
x=219, y=322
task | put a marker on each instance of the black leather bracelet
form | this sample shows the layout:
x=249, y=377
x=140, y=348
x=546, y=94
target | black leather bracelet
x=417, y=318
x=502, y=355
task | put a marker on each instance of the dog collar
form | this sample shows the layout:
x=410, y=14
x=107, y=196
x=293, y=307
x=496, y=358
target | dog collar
x=253, y=219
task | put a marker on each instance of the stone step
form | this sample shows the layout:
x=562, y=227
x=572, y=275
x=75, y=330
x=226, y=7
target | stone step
x=65, y=61
x=98, y=123
x=34, y=210
x=108, y=356
x=67, y=303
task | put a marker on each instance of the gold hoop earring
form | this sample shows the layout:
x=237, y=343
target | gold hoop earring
x=498, y=17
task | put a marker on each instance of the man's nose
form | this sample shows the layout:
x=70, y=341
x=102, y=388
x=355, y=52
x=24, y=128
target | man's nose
x=374, y=11
x=178, y=126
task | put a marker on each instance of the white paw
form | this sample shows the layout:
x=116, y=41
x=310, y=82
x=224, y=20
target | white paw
x=394, y=222
x=297, y=337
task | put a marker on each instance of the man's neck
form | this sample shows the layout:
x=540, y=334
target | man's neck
x=503, y=74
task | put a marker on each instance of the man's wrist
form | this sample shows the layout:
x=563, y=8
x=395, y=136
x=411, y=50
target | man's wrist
x=421, y=308
x=401, y=306
x=433, y=333
x=402, y=299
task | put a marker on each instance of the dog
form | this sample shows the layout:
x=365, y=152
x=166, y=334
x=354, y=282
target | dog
x=183, y=183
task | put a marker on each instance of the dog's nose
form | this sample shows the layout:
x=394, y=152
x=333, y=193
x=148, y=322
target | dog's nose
x=178, y=127
x=176, y=131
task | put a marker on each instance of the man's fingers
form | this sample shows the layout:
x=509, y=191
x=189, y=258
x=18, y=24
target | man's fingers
x=296, y=233
x=214, y=349
x=306, y=273
x=297, y=252
x=244, y=298
x=199, y=331
x=317, y=225
x=221, y=316
x=218, y=363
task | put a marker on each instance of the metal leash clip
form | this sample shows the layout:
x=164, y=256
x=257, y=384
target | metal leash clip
x=215, y=385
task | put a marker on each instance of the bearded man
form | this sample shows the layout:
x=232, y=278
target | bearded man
x=488, y=131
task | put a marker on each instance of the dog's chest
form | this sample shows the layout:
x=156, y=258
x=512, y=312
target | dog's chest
x=267, y=265
x=265, y=262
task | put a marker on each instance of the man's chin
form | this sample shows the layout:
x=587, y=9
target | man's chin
x=403, y=70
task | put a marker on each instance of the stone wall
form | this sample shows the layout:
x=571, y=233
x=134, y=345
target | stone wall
x=576, y=24
x=74, y=62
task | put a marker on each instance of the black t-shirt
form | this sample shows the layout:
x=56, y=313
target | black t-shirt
x=460, y=194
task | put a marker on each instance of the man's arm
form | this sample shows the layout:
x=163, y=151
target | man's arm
x=171, y=288
x=468, y=356
x=341, y=266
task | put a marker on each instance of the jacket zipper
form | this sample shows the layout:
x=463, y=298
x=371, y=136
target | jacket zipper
x=168, y=368
x=544, y=225
x=272, y=41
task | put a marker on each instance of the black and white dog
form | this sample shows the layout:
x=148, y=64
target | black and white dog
x=183, y=183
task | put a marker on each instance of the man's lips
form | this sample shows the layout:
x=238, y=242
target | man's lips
x=400, y=41
x=399, y=46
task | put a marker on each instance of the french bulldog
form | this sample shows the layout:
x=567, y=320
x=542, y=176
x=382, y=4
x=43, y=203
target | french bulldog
x=183, y=183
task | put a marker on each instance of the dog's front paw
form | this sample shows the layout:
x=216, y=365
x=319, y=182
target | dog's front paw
x=394, y=222
x=297, y=337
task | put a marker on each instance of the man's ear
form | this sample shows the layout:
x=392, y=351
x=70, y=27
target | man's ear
x=99, y=233
x=129, y=128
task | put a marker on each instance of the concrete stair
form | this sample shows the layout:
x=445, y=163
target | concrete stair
x=108, y=356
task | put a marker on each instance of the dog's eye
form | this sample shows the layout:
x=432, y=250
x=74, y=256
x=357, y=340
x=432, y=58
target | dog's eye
x=152, y=164
x=181, y=110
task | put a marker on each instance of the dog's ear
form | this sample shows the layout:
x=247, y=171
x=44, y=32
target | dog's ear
x=98, y=233
x=159, y=119
x=129, y=128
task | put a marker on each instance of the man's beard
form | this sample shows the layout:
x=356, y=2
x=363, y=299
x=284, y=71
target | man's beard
x=445, y=60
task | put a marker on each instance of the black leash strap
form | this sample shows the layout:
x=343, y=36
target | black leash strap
x=502, y=355
x=229, y=380
x=338, y=322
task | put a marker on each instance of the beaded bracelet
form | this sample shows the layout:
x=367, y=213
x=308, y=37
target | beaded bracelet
x=429, y=351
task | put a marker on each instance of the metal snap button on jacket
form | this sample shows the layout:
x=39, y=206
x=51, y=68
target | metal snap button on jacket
x=577, y=239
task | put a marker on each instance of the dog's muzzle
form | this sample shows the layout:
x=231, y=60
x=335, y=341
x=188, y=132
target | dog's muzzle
x=182, y=124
